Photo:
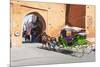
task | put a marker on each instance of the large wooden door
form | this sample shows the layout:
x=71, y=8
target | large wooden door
x=76, y=16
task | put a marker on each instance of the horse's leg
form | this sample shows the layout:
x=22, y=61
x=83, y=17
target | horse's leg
x=49, y=46
x=46, y=44
x=43, y=45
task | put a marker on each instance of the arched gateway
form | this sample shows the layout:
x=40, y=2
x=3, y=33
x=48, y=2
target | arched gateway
x=34, y=26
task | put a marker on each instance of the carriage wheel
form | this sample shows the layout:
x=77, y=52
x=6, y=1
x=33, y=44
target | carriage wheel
x=88, y=48
x=78, y=51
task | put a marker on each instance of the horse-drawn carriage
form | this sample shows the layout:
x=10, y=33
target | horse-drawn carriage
x=71, y=39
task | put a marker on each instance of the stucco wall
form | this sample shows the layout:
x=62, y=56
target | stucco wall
x=90, y=21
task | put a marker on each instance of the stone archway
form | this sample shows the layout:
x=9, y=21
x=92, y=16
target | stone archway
x=37, y=27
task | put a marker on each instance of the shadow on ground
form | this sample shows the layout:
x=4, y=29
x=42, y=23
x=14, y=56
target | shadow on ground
x=62, y=51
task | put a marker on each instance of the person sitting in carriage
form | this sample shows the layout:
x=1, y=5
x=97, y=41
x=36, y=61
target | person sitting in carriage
x=68, y=36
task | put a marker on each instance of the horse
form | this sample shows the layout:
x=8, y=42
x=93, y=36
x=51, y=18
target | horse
x=52, y=43
x=45, y=39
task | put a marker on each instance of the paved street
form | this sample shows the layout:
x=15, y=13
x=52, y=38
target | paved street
x=31, y=54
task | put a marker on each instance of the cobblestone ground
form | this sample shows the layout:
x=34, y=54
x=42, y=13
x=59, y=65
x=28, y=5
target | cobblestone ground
x=31, y=54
